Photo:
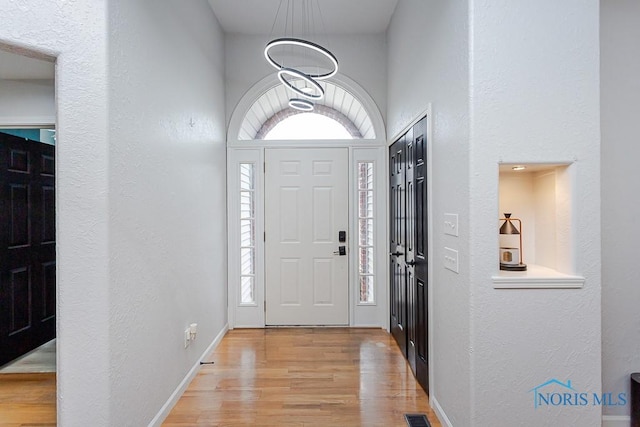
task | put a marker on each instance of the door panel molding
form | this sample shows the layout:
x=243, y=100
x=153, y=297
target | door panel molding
x=319, y=211
x=409, y=247
x=252, y=315
x=397, y=243
x=27, y=246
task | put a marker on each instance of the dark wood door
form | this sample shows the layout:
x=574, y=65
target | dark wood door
x=410, y=254
x=419, y=237
x=398, y=286
x=27, y=246
x=409, y=245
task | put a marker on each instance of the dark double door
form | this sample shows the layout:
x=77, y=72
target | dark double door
x=27, y=246
x=408, y=248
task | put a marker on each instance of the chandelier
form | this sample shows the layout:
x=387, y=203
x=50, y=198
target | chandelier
x=297, y=55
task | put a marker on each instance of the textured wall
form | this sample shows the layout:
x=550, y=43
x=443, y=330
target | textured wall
x=140, y=208
x=428, y=63
x=167, y=237
x=534, y=98
x=28, y=102
x=75, y=33
x=620, y=68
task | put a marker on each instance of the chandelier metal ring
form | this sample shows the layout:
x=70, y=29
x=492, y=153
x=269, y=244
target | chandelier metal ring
x=301, y=104
x=289, y=41
x=319, y=92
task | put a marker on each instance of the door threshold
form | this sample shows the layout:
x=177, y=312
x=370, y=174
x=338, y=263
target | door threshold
x=306, y=326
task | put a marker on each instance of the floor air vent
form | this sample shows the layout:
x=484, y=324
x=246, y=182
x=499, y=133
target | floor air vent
x=417, y=420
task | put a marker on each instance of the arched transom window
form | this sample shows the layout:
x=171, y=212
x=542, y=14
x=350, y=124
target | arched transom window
x=338, y=116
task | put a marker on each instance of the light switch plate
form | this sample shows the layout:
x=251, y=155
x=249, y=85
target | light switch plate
x=451, y=259
x=451, y=224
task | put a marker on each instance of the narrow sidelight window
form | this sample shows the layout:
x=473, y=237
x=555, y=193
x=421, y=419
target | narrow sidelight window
x=365, y=232
x=247, y=234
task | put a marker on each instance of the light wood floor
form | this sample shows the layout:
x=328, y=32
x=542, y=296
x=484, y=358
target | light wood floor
x=28, y=400
x=303, y=377
x=277, y=377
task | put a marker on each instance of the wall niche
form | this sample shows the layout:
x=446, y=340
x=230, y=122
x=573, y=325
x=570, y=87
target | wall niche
x=540, y=196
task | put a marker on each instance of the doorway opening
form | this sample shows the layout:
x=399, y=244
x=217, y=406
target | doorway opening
x=307, y=210
x=409, y=248
x=27, y=190
x=307, y=232
x=28, y=233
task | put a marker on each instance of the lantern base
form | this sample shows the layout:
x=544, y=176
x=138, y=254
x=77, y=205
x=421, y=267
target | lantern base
x=513, y=267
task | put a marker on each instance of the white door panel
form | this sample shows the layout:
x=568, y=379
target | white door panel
x=306, y=205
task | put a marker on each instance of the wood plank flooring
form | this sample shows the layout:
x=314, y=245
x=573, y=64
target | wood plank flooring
x=303, y=377
x=269, y=377
x=28, y=400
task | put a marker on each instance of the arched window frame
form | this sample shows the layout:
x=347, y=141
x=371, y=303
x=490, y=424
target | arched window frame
x=361, y=313
x=269, y=82
x=322, y=110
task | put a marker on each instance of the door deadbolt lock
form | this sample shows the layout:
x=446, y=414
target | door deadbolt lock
x=342, y=250
x=342, y=236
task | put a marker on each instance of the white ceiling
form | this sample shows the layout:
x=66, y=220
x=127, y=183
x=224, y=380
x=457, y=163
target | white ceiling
x=245, y=17
x=339, y=16
x=18, y=67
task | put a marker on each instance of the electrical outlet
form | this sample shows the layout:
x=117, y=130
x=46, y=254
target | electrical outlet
x=451, y=259
x=187, y=337
x=193, y=330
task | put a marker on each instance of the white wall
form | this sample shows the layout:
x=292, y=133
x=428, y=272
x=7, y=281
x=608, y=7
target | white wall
x=541, y=201
x=516, y=196
x=544, y=193
x=620, y=68
x=428, y=63
x=167, y=215
x=75, y=33
x=140, y=200
x=516, y=82
x=534, y=99
x=362, y=58
x=27, y=102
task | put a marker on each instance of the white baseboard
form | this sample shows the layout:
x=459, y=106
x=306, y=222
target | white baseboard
x=444, y=420
x=616, y=420
x=177, y=393
x=607, y=420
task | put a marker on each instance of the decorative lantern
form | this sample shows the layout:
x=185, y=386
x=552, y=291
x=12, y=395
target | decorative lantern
x=511, y=256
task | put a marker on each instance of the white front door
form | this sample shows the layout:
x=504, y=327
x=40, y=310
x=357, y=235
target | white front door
x=306, y=206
